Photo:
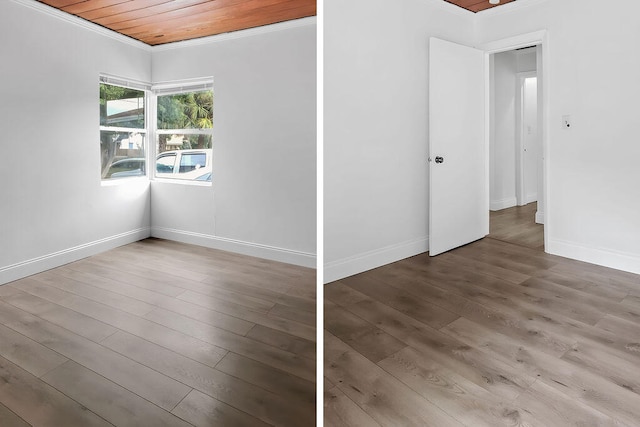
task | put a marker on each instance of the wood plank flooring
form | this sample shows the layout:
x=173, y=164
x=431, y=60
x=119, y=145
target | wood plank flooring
x=490, y=334
x=158, y=333
x=517, y=225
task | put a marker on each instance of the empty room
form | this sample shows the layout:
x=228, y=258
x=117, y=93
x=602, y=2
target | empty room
x=481, y=233
x=158, y=213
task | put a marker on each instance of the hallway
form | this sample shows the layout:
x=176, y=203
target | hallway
x=516, y=225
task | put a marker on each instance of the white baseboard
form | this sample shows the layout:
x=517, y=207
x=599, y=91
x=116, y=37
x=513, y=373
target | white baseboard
x=608, y=258
x=340, y=269
x=530, y=198
x=497, y=205
x=539, y=217
x=46, y=262
x=288, y=256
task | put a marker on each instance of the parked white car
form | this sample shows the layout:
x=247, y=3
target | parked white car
x=191, y=164
x=131, y=166
x=184, y=164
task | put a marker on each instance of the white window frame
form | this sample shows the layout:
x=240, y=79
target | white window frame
x=151, y=131
x=175, y=88
x=146, y=88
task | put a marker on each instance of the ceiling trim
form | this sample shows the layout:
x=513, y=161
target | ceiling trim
x=75, y=20
x=279, y=26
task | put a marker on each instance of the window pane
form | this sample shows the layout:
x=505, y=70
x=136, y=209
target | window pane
x=121, y=107
x=166, y=142
x=192, y=163
x=165, y=163
x=122, y=154
x=193, y=110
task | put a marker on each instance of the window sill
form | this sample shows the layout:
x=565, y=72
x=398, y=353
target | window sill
x=183, y=182
x=123, y=181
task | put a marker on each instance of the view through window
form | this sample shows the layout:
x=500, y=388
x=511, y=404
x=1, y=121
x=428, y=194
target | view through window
x=184, y=135
x=122, y=131
x=183, y=130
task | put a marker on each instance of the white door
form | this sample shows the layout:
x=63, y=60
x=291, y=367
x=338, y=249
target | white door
x=458, y=180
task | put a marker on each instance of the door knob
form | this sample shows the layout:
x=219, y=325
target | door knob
x=439, y=159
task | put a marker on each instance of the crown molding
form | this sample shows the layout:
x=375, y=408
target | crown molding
x=83, y=23
x=280, y=26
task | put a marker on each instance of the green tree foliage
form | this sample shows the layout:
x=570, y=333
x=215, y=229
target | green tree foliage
x=192, y=110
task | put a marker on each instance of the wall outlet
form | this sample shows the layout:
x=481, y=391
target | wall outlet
x=566, y=122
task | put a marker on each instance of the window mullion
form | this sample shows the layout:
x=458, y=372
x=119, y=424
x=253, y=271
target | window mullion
x=124, y=130
x=207, y=131
x=152, y=124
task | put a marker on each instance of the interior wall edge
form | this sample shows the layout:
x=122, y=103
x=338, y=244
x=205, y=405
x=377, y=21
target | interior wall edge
x=604, y=257
x=339, y=269
x=288, y=256
x=46, y=262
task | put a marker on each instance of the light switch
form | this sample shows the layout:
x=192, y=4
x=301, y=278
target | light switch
x=566, y=122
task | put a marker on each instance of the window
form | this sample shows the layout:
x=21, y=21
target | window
x=122, y=130
x=184, y=133
x=183, y=129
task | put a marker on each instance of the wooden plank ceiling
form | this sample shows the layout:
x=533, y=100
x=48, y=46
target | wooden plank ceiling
x=477, y=5
x=157, y=22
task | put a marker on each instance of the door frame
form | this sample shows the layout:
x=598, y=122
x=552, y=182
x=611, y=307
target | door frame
x=521, y=196
x=541, y=39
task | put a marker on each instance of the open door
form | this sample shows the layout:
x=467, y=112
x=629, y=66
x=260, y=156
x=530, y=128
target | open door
x=458, y=180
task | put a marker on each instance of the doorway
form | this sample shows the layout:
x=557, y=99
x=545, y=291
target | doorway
x=460, y=156
x=515, y=148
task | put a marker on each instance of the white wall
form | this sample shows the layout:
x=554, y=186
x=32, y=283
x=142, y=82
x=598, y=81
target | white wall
x=526, y=60
x=375, y=127
x=505, y=130
x=531, y=142
x=502, y=163
x=263, y=199
x=53, y=208
x=592, y=169
x=375, y=134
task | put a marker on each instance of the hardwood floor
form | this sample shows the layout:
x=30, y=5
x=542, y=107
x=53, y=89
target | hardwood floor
x=489, y=334
x=517, y=225
x=159, y=333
